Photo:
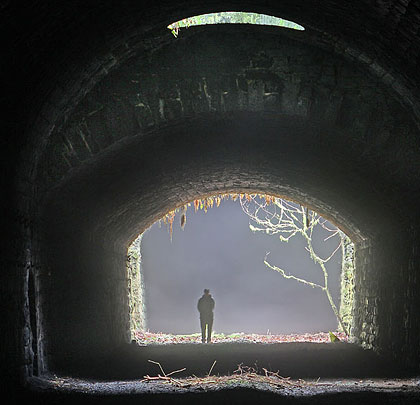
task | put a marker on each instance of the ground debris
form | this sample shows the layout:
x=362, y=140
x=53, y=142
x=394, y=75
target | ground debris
x=147, y=338
x=242, y=376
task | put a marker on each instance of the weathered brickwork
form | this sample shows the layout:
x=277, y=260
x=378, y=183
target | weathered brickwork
x=366, y=298
x=108, y=115
x=265, y=72
x=386, y=299
x=195, y=85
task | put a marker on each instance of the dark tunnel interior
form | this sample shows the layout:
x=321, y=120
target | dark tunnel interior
x=111, y=122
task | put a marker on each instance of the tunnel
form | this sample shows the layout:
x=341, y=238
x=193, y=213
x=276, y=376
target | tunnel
x=112, y=122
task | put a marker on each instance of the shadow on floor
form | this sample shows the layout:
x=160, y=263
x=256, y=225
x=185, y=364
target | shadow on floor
x=296, y=360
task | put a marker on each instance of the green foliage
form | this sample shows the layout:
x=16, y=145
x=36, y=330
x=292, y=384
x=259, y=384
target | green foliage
x=347, y=282
x=135, y=287
x=232, y=17
x=333, y=338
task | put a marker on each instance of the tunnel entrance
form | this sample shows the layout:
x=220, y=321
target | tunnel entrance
x=329, y=115
x=223, y=250
x=98, y=301
x=247, y=121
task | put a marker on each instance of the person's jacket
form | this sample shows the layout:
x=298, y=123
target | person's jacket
x=205, y=306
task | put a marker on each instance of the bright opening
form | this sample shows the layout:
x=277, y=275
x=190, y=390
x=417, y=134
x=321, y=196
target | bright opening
x=278, y=272
x=233, y=17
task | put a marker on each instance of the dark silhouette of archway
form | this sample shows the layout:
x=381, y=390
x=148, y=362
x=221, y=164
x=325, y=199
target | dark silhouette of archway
x=328, y=118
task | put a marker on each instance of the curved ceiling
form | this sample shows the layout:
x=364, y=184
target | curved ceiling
x=319, y=129
x=61, y=51
x=114, y=198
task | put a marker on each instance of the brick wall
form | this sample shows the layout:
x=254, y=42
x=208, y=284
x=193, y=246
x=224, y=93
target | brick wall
x=60, y=52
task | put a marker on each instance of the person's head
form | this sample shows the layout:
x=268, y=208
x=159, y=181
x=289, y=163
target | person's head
x=206, y=291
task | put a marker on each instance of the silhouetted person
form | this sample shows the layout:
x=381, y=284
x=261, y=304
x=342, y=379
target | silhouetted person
x=205, y=306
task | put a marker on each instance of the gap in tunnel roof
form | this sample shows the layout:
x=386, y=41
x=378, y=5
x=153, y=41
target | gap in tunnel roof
x=233, y=17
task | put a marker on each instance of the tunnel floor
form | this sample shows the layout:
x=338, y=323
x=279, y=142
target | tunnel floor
x=325, y=373
x=294, y=360
x=366, y=391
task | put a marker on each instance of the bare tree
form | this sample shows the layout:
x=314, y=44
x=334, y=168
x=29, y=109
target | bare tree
x=285, y=219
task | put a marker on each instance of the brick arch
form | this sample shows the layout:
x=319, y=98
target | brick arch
x=330, y=26
x=194, y=118
x=231, y=69
x=90, y=219
x=67, y=51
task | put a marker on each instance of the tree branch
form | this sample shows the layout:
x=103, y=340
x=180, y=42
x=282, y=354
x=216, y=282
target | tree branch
x=293, y=220
x=292, y=277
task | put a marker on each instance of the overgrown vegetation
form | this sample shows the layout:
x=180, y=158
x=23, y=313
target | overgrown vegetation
x=232, y=17
x=347, y=283
x=135, y=287
x=149, y=338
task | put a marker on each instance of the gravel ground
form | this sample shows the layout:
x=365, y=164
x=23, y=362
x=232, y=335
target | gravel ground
x=295, y=387
x=376, y=391
x=299, y=373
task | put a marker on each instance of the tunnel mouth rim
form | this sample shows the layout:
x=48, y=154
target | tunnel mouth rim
x=354, y=234
x=139, y=331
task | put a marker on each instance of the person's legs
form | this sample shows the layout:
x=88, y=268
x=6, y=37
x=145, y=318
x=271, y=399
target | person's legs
x=203, y=330
x=209, y=328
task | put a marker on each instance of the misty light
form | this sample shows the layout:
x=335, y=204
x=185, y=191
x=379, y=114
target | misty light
x=224, y=246
x=233, y=17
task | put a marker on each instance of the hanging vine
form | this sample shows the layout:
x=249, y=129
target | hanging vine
x=205, y=204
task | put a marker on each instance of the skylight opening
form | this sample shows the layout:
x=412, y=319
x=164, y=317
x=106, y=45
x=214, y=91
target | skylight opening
x=233, y=17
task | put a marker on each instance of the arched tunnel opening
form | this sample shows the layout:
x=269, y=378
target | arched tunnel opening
x=222, y=242
x=91, y=215
x=92, y=283
x=157, y=122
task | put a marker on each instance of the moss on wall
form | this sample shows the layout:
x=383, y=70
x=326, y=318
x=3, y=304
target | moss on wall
x=135, y=287
x=347, y=283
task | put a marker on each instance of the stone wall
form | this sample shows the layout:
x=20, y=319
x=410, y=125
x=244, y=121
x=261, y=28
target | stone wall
x=365, y=298
x=386, y=295
x=85, y=301
x=271, y=114
x=59, y=52
x=136, y=288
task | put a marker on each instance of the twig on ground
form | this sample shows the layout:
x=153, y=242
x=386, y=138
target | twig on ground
x=164, y=377
x=176, y=371
x=156, y=362
x=211, y=368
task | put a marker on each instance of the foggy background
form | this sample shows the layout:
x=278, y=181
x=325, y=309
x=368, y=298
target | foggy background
x=217, y=250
